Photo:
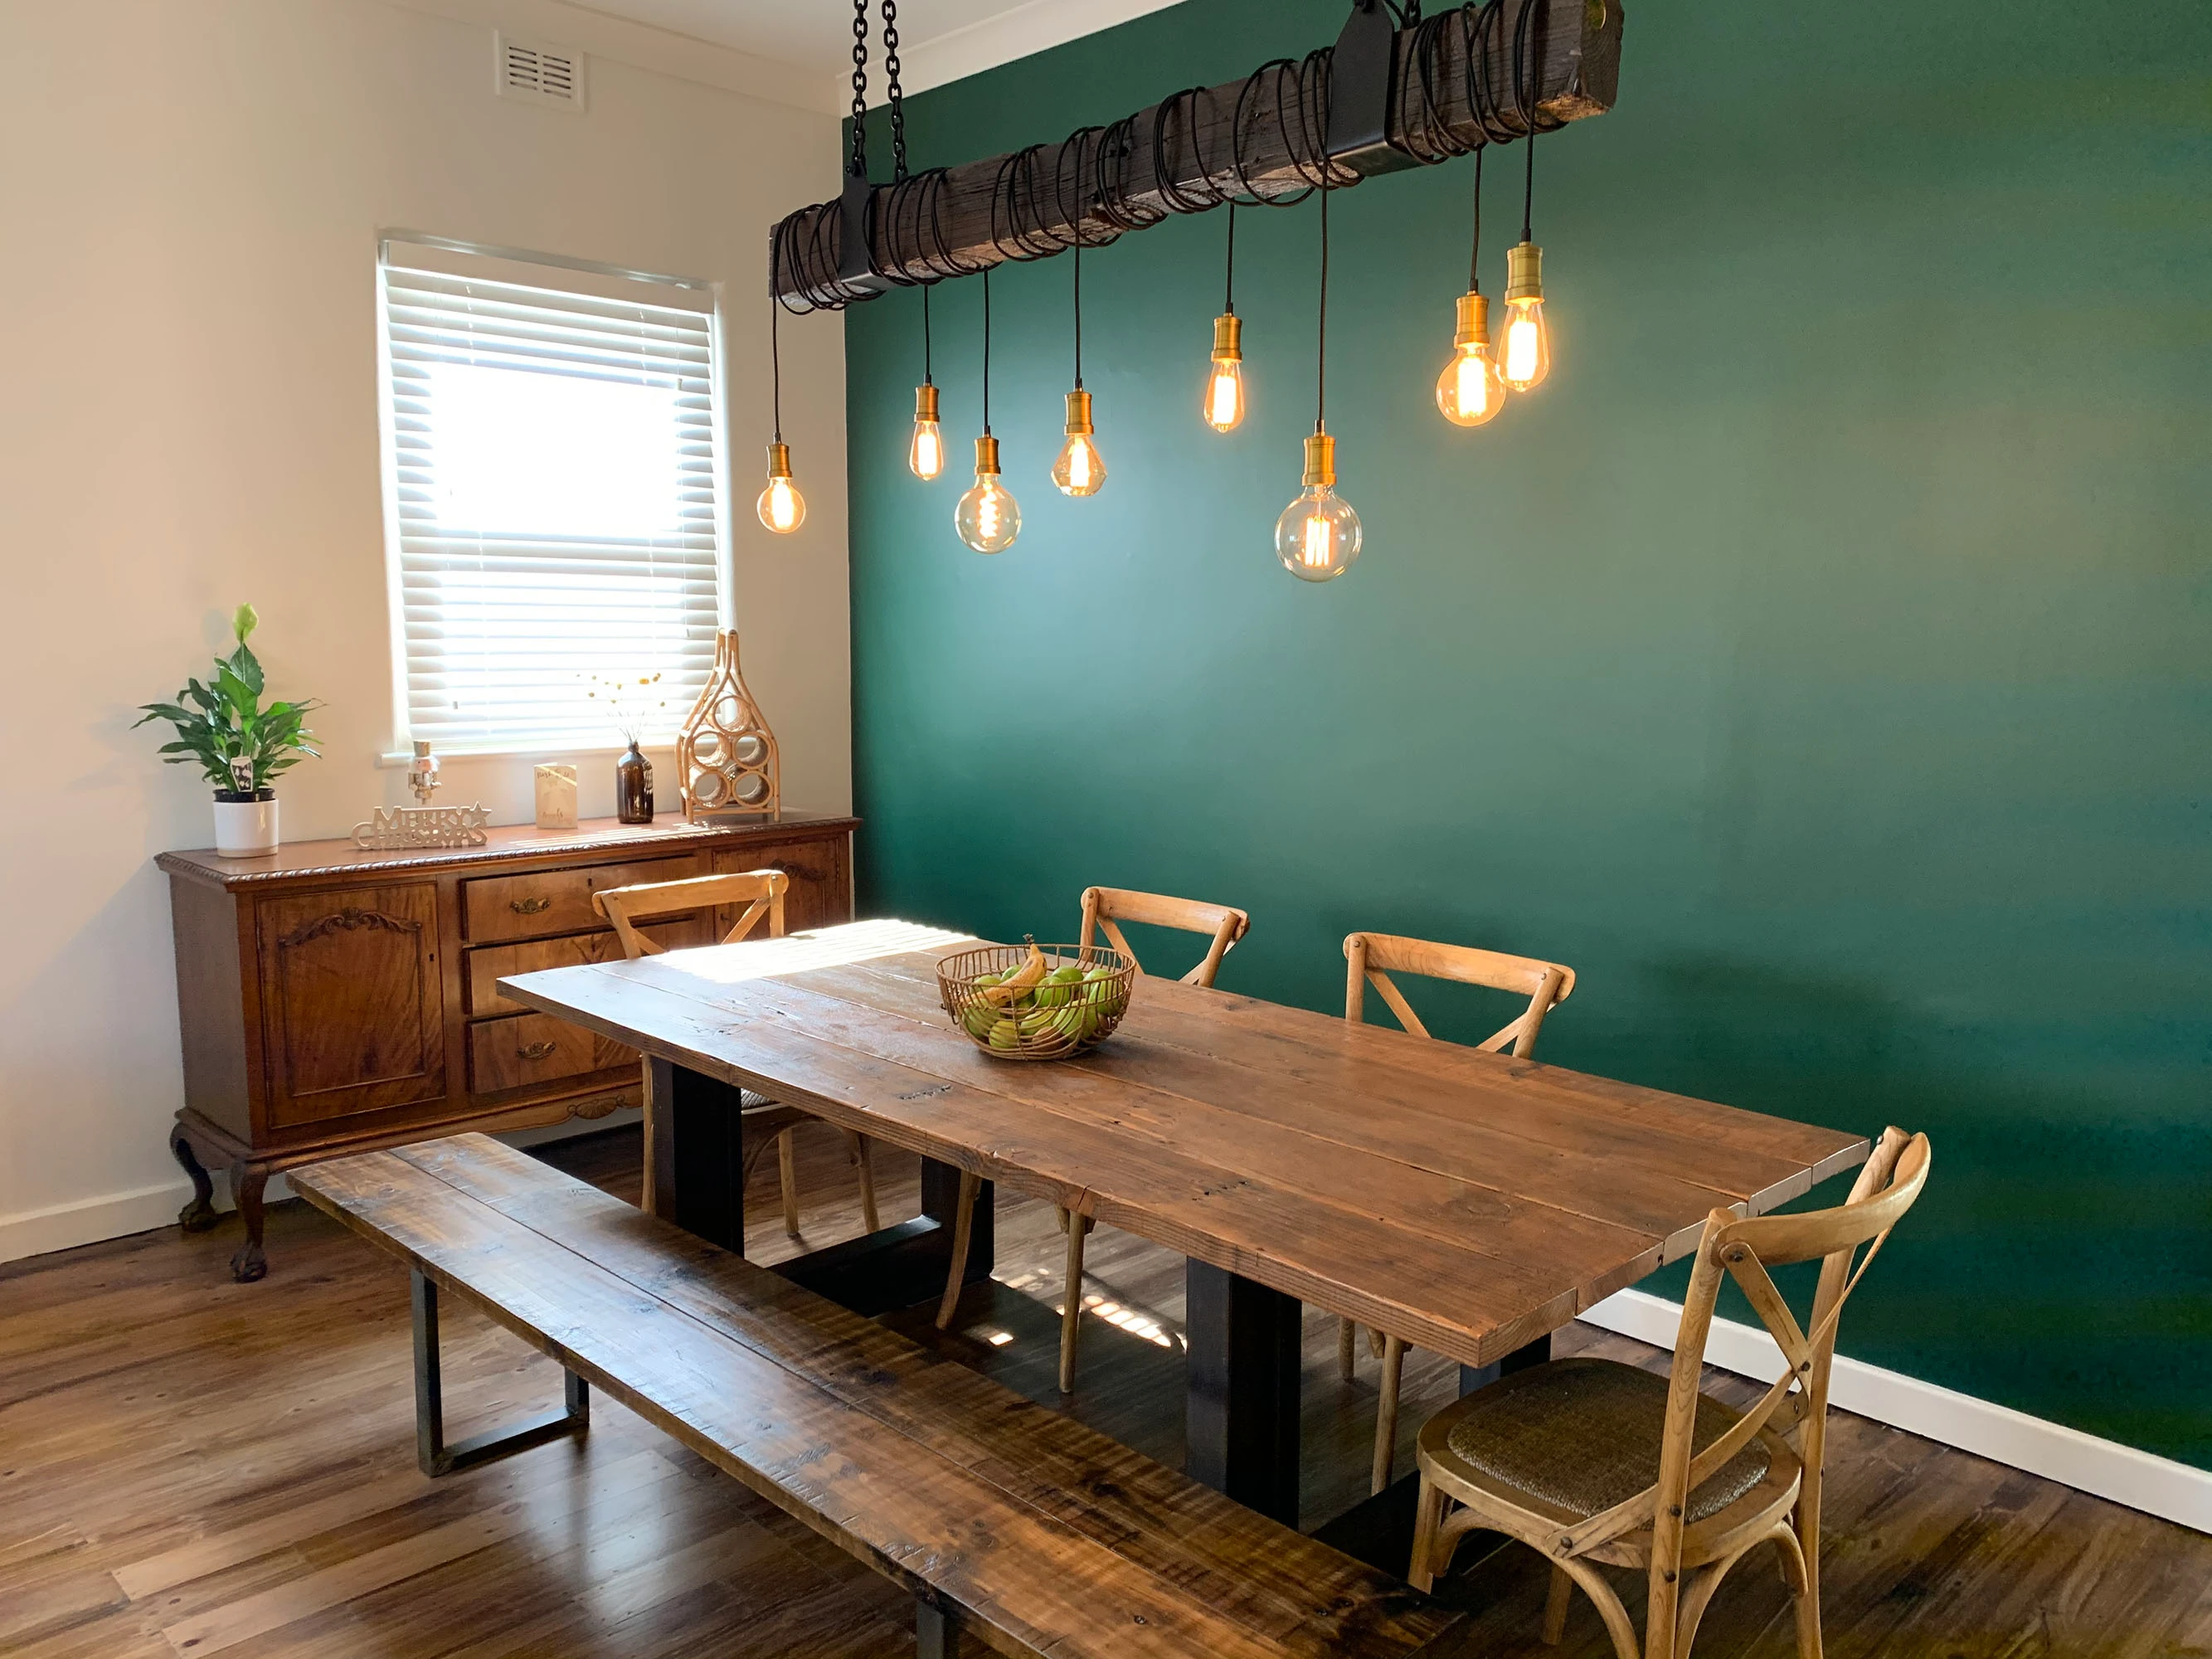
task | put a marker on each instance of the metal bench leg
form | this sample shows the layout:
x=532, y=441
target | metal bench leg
x=431, y=1451
x=937, y=1633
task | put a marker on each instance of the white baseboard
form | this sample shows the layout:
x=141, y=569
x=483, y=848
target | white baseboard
x=117, y=1215
x=88, y=1220
x=2156, y=1486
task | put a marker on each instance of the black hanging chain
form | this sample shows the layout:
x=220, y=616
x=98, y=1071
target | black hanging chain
x=897, y=95
x=858, y=165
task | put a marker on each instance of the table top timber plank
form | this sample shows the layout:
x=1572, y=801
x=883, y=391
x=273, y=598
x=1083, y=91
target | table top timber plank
x=1466, y=1202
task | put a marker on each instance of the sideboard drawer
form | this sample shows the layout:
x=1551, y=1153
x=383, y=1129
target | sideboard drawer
x=493, y=963
x=514, y=1054
x=556, y=901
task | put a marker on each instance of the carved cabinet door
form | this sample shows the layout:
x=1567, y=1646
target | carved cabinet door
x=353, y=1014
x=820, y=891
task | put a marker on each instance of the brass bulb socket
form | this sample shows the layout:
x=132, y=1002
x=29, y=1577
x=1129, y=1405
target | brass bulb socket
x=779, y=460
x=1228, y=338
x=986, y=454
x=1078, y=414
x=1473, y=320
x=1320, y=461
x=1524, y=272
x=925, y=401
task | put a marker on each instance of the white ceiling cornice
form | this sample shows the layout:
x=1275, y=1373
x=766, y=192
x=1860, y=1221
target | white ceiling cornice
x=644, y=47
x=1033, y=26
x=1038, y=26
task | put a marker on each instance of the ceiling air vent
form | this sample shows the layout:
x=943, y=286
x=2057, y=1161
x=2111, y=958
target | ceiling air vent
x=539, y=73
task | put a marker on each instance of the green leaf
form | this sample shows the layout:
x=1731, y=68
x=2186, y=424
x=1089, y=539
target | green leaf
x=243, y=663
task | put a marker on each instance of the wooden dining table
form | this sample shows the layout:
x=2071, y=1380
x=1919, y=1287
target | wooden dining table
x=1468, y=1203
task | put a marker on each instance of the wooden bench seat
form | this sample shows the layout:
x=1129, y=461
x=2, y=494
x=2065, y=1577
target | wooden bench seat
x=1015, y=1527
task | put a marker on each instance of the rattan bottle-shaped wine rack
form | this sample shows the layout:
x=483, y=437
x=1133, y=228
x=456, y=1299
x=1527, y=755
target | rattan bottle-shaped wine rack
x=725, y=756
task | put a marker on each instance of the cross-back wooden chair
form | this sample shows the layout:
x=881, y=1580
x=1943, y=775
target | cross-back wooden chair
x=1103, y=909
x=761, y=892
x=1370, y=959
x=1593, y=1461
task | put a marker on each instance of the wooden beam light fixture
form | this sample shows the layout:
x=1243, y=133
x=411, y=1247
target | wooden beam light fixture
x=1396, y=90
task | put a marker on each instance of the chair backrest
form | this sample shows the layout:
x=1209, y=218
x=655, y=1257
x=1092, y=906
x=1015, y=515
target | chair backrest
x=1103, y=907
x=1743, y=1249
x=761, y=891
x=1369, y=959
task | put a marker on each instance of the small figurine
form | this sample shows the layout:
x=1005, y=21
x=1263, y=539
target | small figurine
x=422, y=772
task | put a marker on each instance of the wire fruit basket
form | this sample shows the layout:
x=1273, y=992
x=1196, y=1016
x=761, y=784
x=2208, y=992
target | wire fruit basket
x=1012, y=1009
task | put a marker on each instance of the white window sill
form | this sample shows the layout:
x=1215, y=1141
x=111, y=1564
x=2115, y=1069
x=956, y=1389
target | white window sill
x=536, y=753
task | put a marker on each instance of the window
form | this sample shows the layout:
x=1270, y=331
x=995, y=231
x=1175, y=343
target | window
x=551, y=496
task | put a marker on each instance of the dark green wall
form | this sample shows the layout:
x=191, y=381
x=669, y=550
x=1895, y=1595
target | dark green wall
x=1817, y=663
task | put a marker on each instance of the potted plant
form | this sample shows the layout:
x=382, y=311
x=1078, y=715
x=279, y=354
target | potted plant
x=238, y=744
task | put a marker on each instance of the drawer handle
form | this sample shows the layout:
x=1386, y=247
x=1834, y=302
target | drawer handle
x=529, y=906
x=536, y=1050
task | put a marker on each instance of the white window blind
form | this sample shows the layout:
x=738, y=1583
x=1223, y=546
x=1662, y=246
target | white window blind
x=553, y=497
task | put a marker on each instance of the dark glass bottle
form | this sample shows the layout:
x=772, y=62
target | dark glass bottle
x=634, y=786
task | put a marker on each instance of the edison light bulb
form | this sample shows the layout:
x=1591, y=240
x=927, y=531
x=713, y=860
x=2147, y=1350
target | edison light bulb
x=1524, y=356
x=782, y=508
x=924, y=456
x=1224, y=407
x=1318, y=536
x=1468, y=391
x=1080, y=469
x=988, y=517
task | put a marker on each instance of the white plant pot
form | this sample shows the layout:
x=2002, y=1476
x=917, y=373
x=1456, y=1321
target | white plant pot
x=245, y=829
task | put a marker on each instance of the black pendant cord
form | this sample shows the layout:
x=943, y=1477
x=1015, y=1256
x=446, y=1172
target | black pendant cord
x=1229, y=281
x=987, y=352
x=1321, y=370
x=896, y=95
x=775, y=365
x=858, y=167
x=1475, y=257
x=1079, y=306
x=1528, y=191
x=928, y=378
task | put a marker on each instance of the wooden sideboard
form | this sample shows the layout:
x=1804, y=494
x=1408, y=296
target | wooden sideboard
x=334, y=1001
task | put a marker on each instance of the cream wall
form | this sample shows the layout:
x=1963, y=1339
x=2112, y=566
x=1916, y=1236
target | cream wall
x=189, y=194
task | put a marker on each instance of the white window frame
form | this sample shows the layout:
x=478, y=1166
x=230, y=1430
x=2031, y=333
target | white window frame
x=418, y=251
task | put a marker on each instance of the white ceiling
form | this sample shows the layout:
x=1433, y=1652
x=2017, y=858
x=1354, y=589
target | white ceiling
x=940, y=40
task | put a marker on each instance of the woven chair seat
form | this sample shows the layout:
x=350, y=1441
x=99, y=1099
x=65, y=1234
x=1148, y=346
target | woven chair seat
x=1583, y=1434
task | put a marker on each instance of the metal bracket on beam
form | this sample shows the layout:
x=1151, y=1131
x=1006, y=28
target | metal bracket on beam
x=1363, y=88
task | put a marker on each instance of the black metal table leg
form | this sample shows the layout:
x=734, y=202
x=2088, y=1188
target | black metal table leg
x=431, y=1451
x=937, y=1631
x=1241, y=1415
x=698, y=1155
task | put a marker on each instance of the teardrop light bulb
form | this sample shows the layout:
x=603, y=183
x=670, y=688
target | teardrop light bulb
x=924, y=456
x=1223, y=404
x=1468, y=391
x=1524, y=356
x=1080, y=469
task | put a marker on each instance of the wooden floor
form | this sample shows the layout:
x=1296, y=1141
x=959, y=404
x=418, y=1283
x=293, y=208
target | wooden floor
x=190, y=1467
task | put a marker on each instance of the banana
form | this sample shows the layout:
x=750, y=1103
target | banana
x=1025, y=978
